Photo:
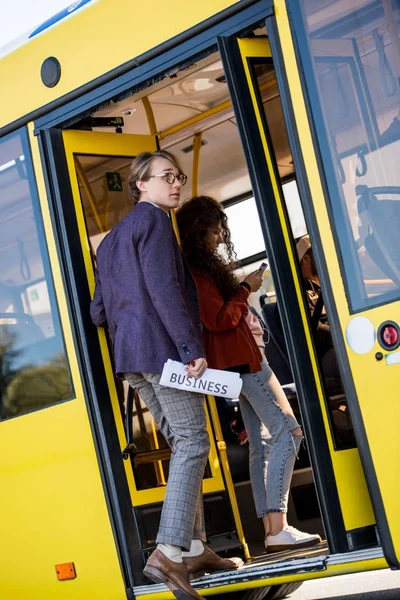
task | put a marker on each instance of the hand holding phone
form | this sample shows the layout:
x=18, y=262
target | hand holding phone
x=254, y=280
x=262, y=268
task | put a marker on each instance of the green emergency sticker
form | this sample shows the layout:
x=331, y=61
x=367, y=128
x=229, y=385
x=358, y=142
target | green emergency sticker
x=114, y=182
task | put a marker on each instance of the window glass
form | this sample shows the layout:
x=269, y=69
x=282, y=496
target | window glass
x=103, y=186
x=355, y=95
x=294, y=208
x=33, y=366
x=275, y=348
x=245, y=228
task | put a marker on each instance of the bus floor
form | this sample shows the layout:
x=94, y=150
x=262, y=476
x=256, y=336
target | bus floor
x=265, y=565
x=288, y=555
x=256, y=569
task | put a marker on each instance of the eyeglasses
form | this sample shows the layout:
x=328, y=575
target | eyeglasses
x=170, y=178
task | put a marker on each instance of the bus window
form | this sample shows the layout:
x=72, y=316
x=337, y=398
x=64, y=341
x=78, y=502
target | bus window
x=336, y=401
x=245, y=228
x=33, y=366
x=294, y=208
x=103, y=188
x=355, y=62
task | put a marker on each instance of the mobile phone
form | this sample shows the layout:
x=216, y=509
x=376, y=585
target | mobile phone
x=262, y=267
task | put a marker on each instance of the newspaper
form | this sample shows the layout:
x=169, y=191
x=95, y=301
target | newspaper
x=213, y=381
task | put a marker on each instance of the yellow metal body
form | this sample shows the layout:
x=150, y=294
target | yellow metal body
x=353, y=494
x=196, y=163
x=122, y=31
x=221, y=445
x=52, y=502
x=150, y=116
x=376, y=383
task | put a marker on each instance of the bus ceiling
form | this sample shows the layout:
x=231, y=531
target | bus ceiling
x=191, y=113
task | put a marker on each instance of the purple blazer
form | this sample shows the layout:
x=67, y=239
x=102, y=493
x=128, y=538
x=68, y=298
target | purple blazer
x=145, y=294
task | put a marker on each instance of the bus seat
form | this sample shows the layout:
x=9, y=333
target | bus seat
x=278, y=357
x=379, y=227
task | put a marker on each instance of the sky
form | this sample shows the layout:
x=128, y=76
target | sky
x=18, y=16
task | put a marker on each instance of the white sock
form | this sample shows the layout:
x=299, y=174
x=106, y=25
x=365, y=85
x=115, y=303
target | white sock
x=172, y=552
x=196, y=548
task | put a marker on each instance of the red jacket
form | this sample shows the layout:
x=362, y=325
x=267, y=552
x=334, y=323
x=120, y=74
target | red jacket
x=228, y=341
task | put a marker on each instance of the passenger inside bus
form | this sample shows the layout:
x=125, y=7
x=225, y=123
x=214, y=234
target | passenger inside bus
x=319, y=320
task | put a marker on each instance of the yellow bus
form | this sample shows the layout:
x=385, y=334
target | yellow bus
x=286, y=111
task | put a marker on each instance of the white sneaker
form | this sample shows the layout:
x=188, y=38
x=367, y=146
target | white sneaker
x=290, y=538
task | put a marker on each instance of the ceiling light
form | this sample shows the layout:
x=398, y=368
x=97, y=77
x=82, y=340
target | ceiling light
x=196, y=85
x=217, y=66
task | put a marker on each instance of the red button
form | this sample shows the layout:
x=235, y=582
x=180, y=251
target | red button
x=390, y=335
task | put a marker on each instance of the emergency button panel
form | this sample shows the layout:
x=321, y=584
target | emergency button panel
x=389, y=335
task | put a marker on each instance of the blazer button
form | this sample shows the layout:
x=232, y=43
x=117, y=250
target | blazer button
x=195, y=298
x=198, y=324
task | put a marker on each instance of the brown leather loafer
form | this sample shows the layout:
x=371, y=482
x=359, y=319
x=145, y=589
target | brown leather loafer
x=161, y=569
x=209, y=561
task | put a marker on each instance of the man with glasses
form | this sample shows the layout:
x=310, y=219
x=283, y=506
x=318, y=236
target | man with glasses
x=147, y=298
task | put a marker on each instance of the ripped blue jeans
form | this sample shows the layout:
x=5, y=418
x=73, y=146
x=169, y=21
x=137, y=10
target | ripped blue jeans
x=269, y=422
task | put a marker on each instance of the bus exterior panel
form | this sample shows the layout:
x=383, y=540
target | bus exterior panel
x=53, y=505
x=130, y=30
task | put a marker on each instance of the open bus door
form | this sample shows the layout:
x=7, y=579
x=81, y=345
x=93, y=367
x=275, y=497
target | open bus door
x=340, y=480
x=353, y=493
x=97, y=168
x=361, y=184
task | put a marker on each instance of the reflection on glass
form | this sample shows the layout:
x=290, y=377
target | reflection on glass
x=276, y=351
x=355, y=52
x=294, y=208
x=33, y=366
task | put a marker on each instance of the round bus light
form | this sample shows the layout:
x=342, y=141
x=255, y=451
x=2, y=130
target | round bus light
x=389, y=335
x=50, y=71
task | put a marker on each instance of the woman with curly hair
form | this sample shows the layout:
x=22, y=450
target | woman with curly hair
x=233, y=340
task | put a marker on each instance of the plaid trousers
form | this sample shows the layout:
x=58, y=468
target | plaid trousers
x=182, y=421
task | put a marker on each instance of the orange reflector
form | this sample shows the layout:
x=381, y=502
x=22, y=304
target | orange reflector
x=65, y=571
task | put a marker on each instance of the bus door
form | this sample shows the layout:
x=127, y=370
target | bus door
x=98, y=168
x=52, y=498
x=350, y=58
x=342, y=490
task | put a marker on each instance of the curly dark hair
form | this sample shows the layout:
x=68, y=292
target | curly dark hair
x=195, y=218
